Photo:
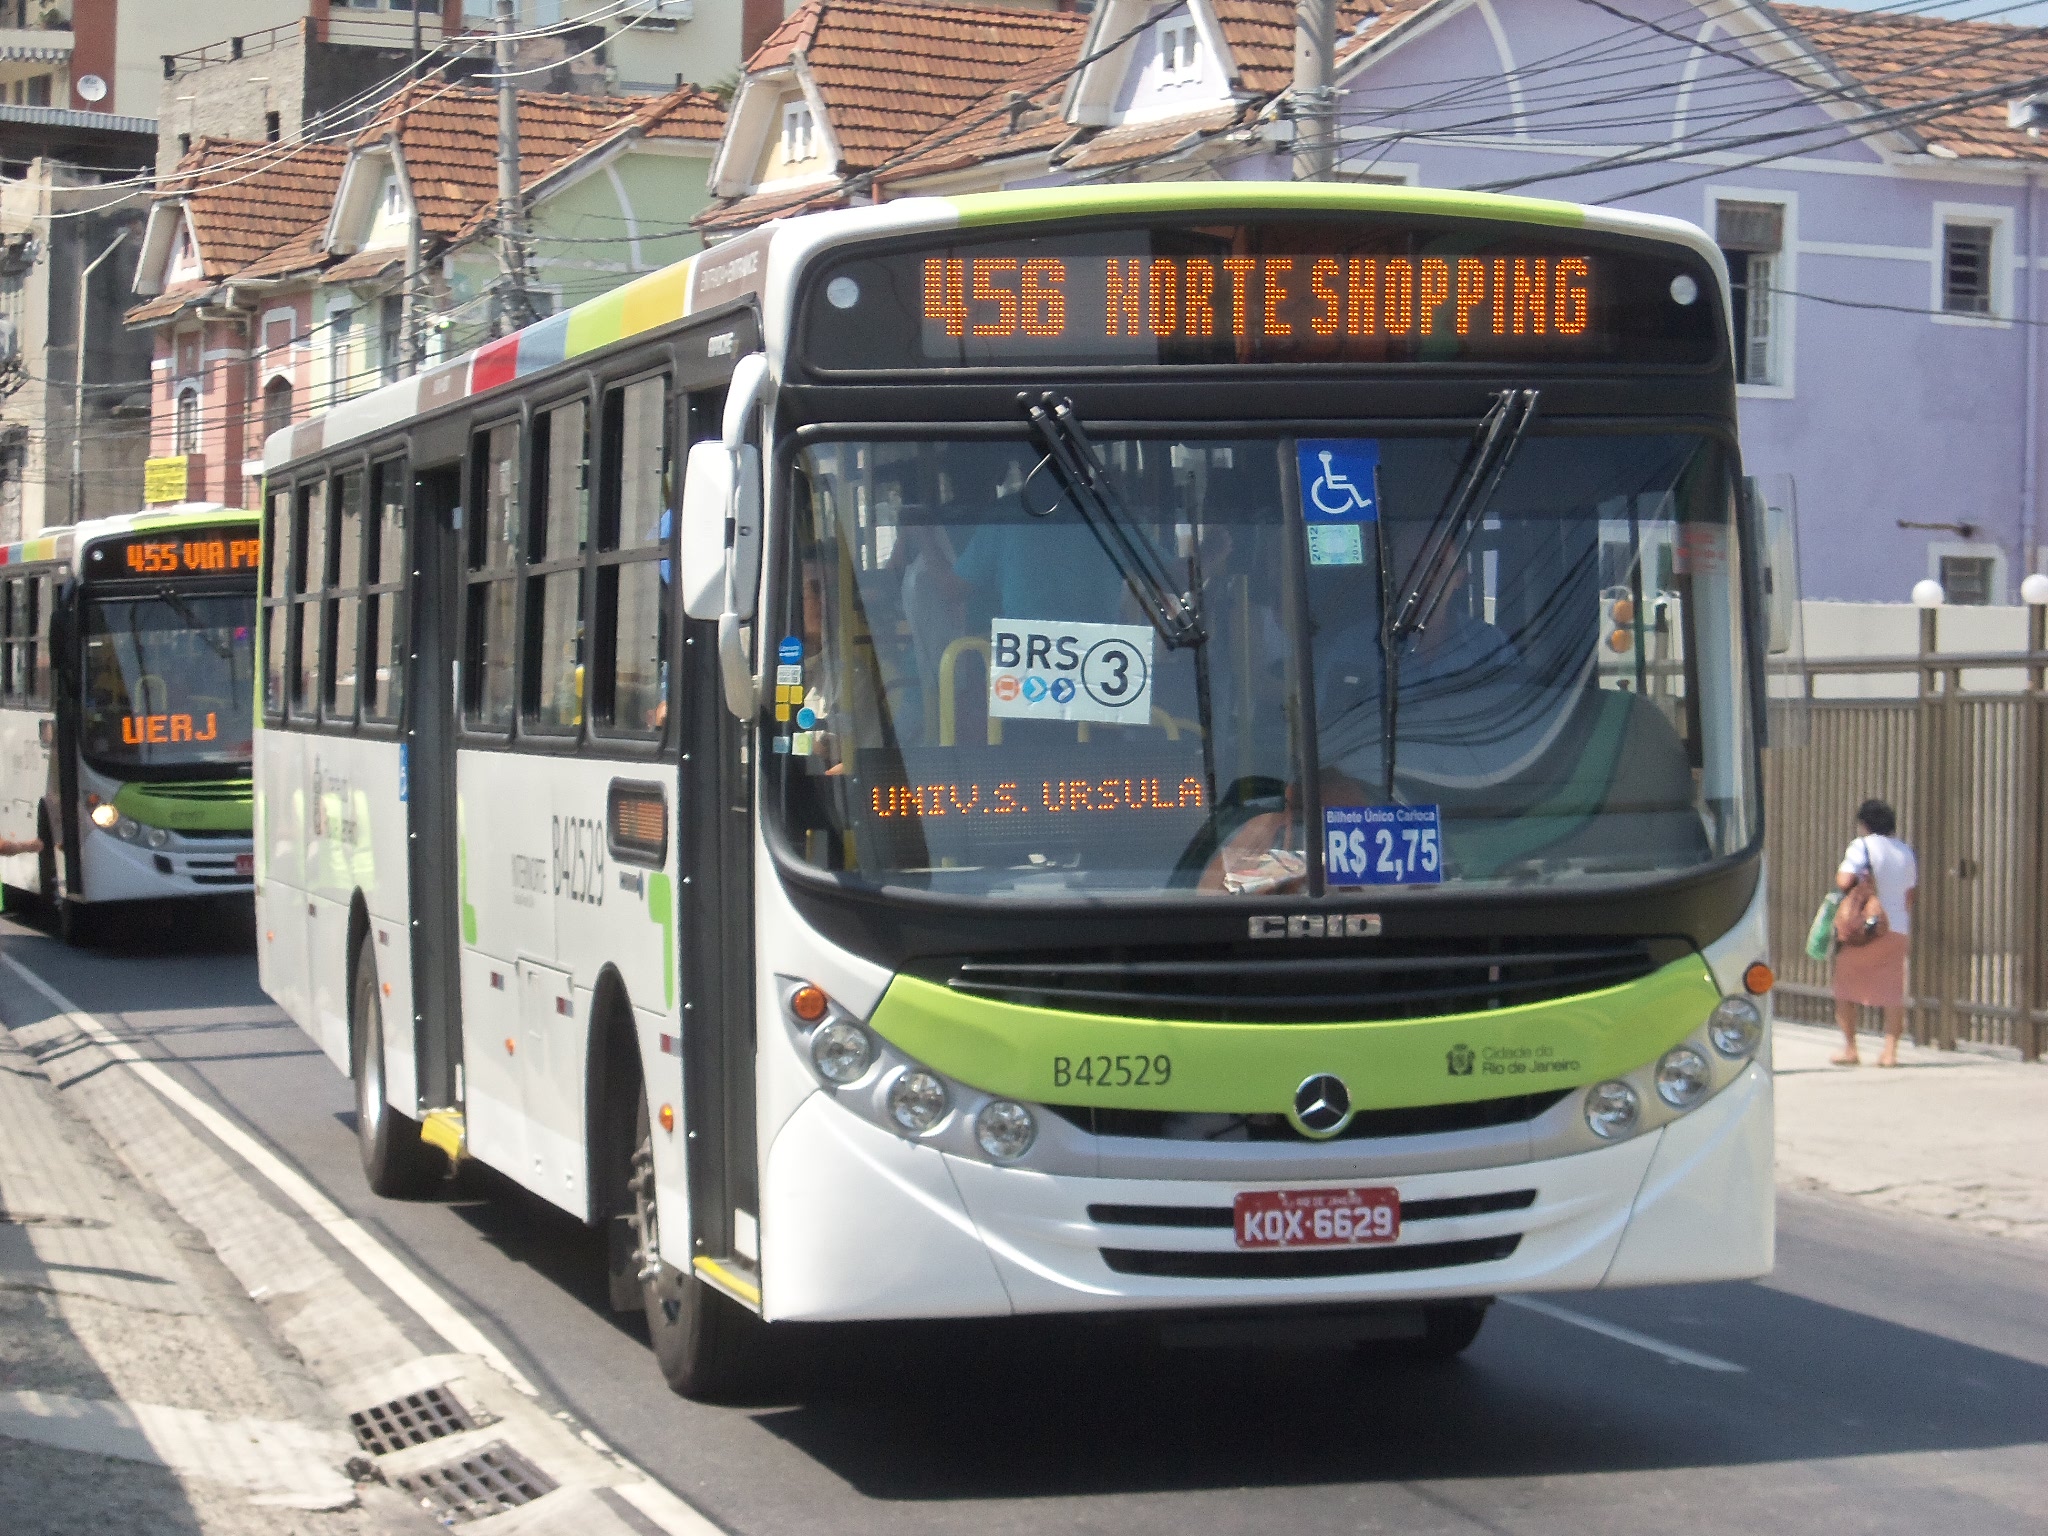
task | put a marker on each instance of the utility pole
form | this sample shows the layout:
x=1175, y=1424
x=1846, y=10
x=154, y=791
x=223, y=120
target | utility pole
x=516, y=309
x=1314, y=95
x=78, y=379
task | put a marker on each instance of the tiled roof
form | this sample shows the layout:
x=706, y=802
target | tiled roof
x=1261, y=35
x=168, y=303
x=893, y=73
x=1020, y=115
x=759, y=207
x=448, y=136
x=304, y=252
x=243, y=199
x=1908, y=63
x=1141, y=141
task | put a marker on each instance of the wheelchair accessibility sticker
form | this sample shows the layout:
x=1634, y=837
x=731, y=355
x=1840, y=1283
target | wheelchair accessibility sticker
x=1339, y=494
x=1050, y=670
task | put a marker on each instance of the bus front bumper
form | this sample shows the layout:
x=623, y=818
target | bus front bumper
x=870, y=1226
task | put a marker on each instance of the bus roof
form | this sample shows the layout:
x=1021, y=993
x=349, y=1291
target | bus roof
x=744, y=266
x=65, y=546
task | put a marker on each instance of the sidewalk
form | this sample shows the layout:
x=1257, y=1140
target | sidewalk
x=139, y=1388
x=1956, y=1135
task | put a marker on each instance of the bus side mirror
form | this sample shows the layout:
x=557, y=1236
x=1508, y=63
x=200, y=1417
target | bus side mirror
x=707, y=499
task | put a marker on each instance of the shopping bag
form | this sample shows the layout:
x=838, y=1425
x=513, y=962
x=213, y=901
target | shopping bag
x=1820, y=938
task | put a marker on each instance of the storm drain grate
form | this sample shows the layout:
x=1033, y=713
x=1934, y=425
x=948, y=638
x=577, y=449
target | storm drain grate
x=486, y=1482
x=411, y=1420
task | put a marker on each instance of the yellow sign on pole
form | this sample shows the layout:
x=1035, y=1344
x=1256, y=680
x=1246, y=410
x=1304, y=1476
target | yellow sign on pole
x=163, y=480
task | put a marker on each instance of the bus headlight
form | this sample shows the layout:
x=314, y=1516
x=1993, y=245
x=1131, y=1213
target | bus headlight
x=156, y=837
x=127, y=830
x=841, y=1051
x=104, y=816
x=1683, y=1077
x=917, y=1101
x=1735, y=1026
x=1611, y=1109
x=1005, y=1129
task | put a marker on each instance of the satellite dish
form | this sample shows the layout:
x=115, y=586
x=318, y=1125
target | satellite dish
x=92, y=88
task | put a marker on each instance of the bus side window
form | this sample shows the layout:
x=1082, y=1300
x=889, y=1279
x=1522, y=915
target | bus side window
x=491, y=595
x=13, y=676
x=39, y=648
x=635, y=528
x=276, y=592
x=383, y=678
x=344, y=582
x=309, y=571
x=557, y=536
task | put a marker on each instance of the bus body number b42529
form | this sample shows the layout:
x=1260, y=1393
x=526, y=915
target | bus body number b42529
x=1112, y=1071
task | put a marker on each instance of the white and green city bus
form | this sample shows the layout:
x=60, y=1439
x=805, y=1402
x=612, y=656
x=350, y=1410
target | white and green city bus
x=1174, y=750
x=127, y=692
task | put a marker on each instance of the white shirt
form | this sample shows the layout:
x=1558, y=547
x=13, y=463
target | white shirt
x=1891, y=863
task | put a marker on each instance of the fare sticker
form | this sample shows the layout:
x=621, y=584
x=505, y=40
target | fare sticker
x=1382, y=845
x=1052, y=670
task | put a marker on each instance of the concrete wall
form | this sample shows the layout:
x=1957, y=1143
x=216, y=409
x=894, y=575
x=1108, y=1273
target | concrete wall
x=39, y=293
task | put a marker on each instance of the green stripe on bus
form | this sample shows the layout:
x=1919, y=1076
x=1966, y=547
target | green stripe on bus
x=597, y=322
x=223, y=806
x=1261, y=196
x=662, y=908
x=1039, y=1053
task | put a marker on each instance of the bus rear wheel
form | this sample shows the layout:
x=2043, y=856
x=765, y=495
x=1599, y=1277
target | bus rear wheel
x=395, y=1161
x=707, y=1345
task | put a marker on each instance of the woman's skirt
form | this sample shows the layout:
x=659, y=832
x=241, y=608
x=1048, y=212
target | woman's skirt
x=1873, y=974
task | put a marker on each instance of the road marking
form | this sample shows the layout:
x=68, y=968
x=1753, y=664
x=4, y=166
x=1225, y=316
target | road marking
x=428, y=1304
x=1677, y=1354
x=283, y=1465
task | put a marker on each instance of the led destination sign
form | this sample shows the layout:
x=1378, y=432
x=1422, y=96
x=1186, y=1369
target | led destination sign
x=197, y=552
x=1358, y=290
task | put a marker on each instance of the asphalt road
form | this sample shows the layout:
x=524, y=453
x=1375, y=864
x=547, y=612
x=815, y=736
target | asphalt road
x=1893, y=1376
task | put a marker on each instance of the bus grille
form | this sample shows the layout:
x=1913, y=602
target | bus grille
x=1308, y=1264
x=1419, y=981
x=202, y=791
x=1366, y=1125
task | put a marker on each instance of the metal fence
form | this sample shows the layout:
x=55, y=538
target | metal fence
x=1963, y=767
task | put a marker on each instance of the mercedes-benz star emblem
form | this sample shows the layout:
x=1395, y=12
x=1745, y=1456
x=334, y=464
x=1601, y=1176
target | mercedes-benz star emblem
x=1322, y=1105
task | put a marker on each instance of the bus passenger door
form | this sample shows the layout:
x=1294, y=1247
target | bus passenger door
x=717, y=937
x=429, y=774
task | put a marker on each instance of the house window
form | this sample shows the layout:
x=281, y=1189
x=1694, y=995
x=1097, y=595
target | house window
x=273, y=127
x=39, y=91
x=1968, y=581
x=1752, y=238
x=186, y=438
x=391, y=336
x=277, y=405
x=1180, y=45
x=1966, y=268
x=340, y=325
x=799, y=132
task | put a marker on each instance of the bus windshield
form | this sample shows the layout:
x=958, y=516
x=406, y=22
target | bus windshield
x=168, y=679
x=970, y=699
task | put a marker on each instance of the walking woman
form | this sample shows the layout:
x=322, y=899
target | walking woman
x=1871, y=971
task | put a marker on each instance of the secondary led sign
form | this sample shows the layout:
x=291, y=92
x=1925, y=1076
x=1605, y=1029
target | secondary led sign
x=198, y=552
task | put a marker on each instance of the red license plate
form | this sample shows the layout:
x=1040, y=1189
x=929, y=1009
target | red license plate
x=245, y=864
x=1316, y=1218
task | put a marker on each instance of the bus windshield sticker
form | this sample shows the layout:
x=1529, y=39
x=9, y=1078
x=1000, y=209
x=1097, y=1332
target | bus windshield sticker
x=1339, y=495
x=1382, y=845
x=1052, y=670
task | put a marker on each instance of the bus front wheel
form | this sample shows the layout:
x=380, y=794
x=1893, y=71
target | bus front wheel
x=1448, y=1330
x=706, y=1344
x=395, y=1161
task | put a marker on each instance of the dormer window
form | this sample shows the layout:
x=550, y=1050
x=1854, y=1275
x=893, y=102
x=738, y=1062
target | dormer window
x=1180, y=52
x=799, y=133
x=392, y=202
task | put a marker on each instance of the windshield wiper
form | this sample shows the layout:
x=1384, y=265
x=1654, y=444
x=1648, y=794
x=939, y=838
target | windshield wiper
x=1086, y=481
x=1428, y=580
